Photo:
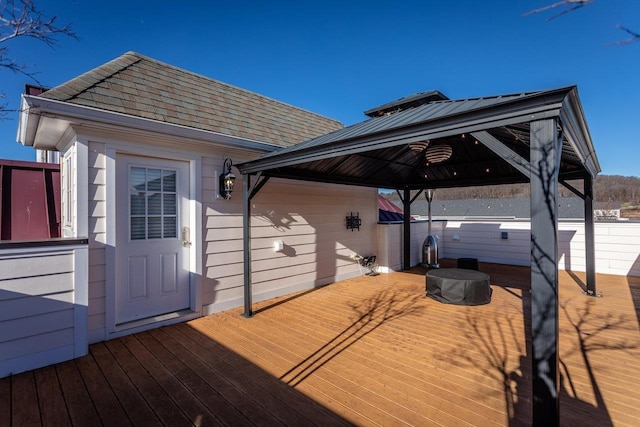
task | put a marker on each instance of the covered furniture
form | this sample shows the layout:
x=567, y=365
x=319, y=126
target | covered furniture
x=458, y=286
x=468, y=263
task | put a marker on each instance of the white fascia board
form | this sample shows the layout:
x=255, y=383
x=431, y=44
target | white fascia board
x=34, y=108
x=27, y=123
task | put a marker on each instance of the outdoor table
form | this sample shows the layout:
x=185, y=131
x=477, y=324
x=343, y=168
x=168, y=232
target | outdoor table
x=458, y=286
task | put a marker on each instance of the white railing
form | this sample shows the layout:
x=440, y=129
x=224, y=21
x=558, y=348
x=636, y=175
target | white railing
x=43, y=303
x=617, y=244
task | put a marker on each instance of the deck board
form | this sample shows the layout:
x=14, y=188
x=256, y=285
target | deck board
x=156, y=397
x=132, y=402
x=53, y=409
x=365, y=351
x=105, y=401
x=5, y=402
x=24, y=400
x=234, y=382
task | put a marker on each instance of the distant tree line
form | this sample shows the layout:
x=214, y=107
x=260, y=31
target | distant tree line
x=607, y=188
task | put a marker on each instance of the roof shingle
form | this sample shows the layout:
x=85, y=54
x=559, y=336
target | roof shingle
x=143, y=87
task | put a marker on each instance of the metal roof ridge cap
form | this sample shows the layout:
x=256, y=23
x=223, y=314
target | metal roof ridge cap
x=73, y=111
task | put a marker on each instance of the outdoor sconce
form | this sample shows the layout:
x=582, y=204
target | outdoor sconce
x=354, y=221
x=227, y=179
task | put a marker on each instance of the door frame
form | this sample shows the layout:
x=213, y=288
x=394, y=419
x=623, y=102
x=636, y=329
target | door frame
x=112, y=330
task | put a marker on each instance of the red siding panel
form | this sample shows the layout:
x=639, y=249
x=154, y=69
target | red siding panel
x=29, y=200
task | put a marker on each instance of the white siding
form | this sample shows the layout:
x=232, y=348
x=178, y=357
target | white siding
x=617, y=244
x=42, y=307
x=391, y=247
x=97, y=240
x=309, y=218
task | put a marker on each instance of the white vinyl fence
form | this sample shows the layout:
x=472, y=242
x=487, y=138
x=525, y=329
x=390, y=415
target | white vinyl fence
x=509, y=242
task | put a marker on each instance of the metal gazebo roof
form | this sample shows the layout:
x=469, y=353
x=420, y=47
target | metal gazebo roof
x=376, y=152
x=539, y=137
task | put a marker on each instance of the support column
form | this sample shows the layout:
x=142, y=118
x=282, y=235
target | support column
x=406, y=264
x=589, y=236
x=545, y=152
x=246, y=240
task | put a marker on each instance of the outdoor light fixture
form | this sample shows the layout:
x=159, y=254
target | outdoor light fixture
x=227, y=179
x=438, y=153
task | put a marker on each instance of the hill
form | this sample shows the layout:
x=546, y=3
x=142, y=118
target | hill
x=607, y=188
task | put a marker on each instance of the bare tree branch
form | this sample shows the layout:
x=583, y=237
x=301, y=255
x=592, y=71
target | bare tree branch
x=634, y=37
x=22, y=19
x=569, y=5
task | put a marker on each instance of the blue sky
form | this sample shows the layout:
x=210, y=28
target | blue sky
x=340, y=58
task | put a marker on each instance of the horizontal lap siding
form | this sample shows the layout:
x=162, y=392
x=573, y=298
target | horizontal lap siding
x=391, y=249
x=617, y=244
x=618, y=248
x=97, y=241
x=482, y=240
x=36, y=309
x=309, y=218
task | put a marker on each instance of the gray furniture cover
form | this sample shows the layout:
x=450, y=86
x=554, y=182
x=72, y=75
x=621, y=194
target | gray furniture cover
x=458, y=286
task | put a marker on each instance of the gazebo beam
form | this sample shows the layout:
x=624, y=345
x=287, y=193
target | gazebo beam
x=514, y=159
x=545, y=153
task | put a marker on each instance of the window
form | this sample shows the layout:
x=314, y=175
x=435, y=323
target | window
x=153, y=203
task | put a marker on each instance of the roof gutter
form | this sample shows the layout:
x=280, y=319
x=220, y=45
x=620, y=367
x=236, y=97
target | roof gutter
x=35, y=108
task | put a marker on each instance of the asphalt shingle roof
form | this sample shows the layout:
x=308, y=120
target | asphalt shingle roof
x=144, y=87
x=510, y=207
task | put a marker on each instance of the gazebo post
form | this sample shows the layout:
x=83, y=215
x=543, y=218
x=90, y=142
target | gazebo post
x=246, y=226
x=545, y=154
x=406, y=264
x=589, y=236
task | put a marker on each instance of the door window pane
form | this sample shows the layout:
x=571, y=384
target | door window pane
x=170, y=228
x=138, y=228
x=169, y=181
x=155, y=228
x=153, y=203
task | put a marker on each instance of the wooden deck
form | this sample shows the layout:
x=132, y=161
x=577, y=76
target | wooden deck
x=367, y=351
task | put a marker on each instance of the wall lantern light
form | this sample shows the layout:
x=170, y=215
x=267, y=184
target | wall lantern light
x=227, y=179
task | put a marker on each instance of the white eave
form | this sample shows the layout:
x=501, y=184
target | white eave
x=44, y=121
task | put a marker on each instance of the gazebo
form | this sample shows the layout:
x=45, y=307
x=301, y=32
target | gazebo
x=427, y=141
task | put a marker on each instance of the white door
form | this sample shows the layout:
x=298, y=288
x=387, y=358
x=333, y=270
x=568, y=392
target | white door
x=152, y=237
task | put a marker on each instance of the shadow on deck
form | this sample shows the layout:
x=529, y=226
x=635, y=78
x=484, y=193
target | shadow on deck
x=365, y=351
